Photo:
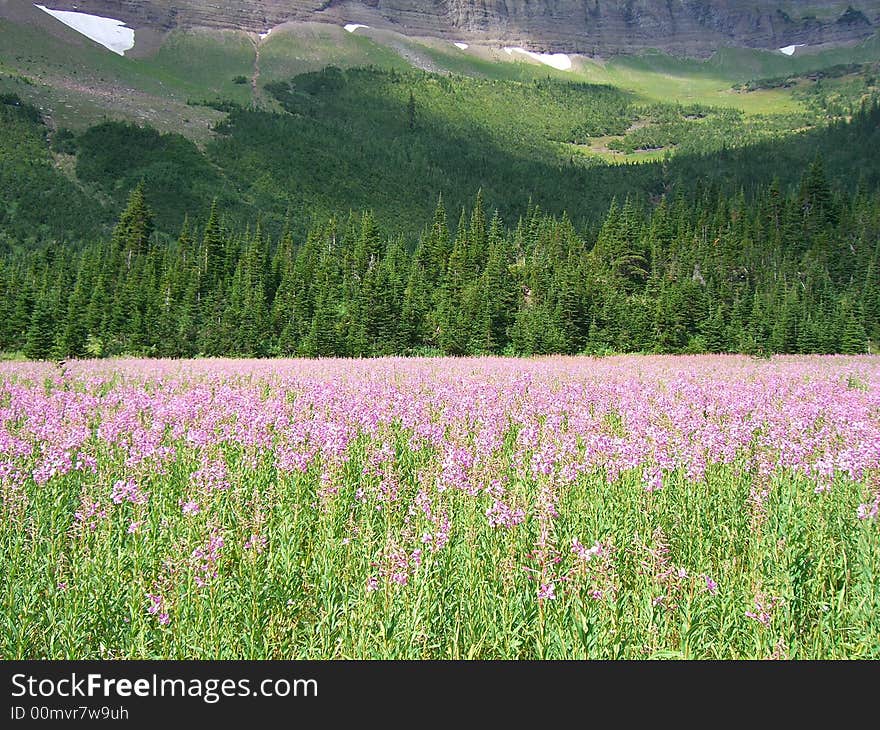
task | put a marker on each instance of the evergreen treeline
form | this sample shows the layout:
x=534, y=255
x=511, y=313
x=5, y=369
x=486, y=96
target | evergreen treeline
x=699, y=273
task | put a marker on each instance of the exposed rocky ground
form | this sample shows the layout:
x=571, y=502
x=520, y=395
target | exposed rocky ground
x=597, y=27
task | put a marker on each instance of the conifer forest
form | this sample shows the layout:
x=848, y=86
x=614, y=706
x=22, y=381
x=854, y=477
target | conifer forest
x=323, y=341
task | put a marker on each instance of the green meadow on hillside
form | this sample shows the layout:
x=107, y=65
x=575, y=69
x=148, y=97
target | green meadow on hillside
x=312, y=121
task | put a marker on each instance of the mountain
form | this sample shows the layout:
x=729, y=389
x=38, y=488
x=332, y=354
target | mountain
x=312, y=121
x=280, y=193
x=597, y=27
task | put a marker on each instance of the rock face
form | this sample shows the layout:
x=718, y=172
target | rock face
x=596, y=27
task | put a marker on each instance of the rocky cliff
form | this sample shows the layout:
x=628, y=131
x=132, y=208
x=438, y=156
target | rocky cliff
x=597, y=27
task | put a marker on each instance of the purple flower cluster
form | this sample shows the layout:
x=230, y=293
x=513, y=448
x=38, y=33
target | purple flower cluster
x=411, y=445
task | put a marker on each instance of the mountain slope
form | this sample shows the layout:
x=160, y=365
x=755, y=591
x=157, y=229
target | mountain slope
x=264, y=129
x=598, y=27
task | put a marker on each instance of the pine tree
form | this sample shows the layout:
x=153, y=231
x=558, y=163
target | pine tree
x=411, y=111
x=808, y=339
x=497, y=294
x=452, y=318
x=871, y=296
x=712, y=330
x=75, y=332
x=212, y=259
x=188, y=322
x=853, y=338
x=40, y=343
x=814, y=196
x=6, y=307
x=131, y=236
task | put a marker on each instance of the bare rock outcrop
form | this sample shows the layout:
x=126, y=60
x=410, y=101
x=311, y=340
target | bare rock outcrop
x=596, y=27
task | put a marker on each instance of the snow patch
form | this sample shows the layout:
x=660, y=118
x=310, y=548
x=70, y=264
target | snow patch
x=557, y=60
x=462, y=46
x=352, y=27
x=789, y=50
x=110, y=33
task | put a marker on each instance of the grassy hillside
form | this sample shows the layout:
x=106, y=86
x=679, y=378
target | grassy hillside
x=353, y=140
x=297, y=48
x=311, y=121
x=38, y=201
x=78, y=83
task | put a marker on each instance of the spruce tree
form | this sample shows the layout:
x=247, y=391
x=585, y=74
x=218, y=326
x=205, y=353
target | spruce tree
x=131, y=236
x=40, y=342
x=211, y=259
x=853, y=338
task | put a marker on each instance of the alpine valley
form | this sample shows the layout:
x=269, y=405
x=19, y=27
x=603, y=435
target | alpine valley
x=436, y=330
x=446, y=177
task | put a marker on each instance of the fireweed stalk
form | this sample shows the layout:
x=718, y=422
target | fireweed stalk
x=700, y=507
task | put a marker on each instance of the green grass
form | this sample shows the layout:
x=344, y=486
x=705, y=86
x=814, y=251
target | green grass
x=687, y=83
x=79, y=83
x=597, y=149
x=71, y=591
x=661, y=77
x=203, y=64
x=286, y=53
x=518, y=129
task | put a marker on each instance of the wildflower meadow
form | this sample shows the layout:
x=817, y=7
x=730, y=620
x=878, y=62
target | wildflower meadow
x=614, y=508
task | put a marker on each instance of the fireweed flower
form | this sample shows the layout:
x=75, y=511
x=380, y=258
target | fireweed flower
x=127, y=491
x=764, y=606
x=85, y=462
x=656, y=562
x=211, y=476
x=189, y=507
x=652, y=479
x=258, y=543
x=90, y=514
x=869, y=510
x=204, y=560
x=500, y=515
x=157, y=606
x=515, y=446
x=583, y=553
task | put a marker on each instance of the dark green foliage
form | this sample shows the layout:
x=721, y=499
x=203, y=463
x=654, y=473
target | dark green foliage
x=392, y=141
x=177, y=177
x=701, y=253
x=64, y=141
x=701, y=273
x=131, y=236
x=40, y=341
x=37, y=202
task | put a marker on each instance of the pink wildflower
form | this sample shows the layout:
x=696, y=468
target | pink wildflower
x=189, y=507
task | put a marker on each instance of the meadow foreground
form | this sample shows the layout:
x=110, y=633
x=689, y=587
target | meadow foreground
x=628, y=507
